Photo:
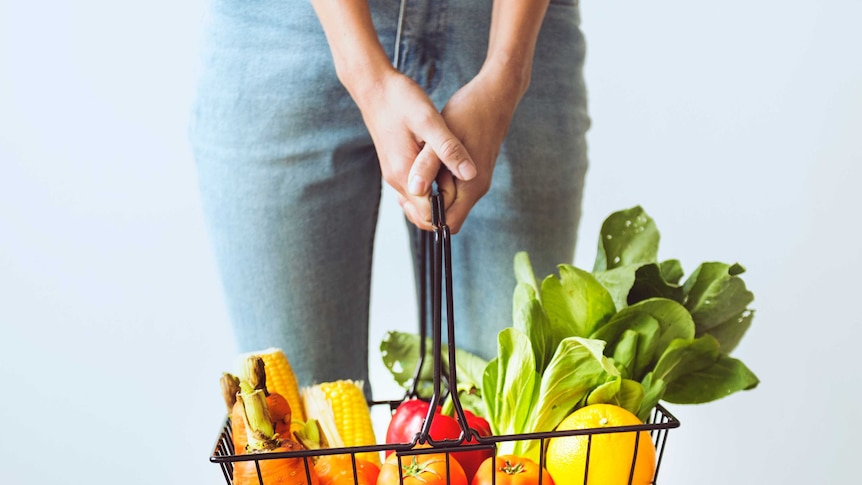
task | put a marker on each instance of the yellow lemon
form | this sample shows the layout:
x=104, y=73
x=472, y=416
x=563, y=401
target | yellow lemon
x=610, y=454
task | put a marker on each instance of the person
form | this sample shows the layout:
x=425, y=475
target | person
x=304, y=109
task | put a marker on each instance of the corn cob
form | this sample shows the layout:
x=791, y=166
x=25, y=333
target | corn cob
x=279, y=378
x=342, y=411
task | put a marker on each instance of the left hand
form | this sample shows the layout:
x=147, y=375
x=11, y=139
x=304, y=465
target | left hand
x=479, y=114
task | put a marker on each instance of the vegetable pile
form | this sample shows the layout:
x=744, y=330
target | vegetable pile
x=263, y=420
x=631, y=332
x=586, y=349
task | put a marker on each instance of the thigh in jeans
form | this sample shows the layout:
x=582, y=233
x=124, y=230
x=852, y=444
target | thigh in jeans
x=290, y=187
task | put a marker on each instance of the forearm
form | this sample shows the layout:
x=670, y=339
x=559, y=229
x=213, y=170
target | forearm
x=515, y=26
x=360, y=61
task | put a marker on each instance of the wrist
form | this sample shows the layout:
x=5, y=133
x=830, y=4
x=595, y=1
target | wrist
x=356, y=65
x=508, y=73
x=363, y=74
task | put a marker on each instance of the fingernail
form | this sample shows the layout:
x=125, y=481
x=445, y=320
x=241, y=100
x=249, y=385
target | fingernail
x=417, y=185
x=467, y=170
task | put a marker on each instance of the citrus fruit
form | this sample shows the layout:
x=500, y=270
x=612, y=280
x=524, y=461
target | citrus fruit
x=610, y=454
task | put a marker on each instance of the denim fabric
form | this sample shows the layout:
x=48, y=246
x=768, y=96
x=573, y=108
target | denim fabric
x=291, y=186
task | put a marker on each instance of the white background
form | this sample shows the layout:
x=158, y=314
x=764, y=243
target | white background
x=734, y=124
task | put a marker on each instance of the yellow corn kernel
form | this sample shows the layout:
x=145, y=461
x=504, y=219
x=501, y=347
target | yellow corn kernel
x=280, y=379
x=342, y=411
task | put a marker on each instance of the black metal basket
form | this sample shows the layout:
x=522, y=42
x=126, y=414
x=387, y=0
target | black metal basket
x=436, y=251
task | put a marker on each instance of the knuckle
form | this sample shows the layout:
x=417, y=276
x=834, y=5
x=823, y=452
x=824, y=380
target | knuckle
x=450, y=148
x=423, y=161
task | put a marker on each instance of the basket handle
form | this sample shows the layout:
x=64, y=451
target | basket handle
x=435, y=250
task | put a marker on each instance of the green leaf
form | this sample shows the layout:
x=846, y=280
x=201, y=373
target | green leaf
x=400, y=354
x=625, y=352
x=472, y=401
x=576, y=303
x=627, y=237
x=529, y=317
x=726, y=376
x=632, y=283
x=523, y=295
x=650, y=283
x=618, y=282
x=577, y=367
x=658, y=321
x=654, y=389
x=516, y=382
x=730, y=333
x=684, y=356
x=524, y=270
x=470, y=368
x=715, y=295
x=695, y=371
x=671, y=271
x=625, y=393
x=490, y=383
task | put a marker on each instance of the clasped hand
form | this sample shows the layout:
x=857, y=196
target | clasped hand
x=414, y=141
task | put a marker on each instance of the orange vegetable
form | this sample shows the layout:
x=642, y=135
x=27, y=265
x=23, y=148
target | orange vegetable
x=238, y=432
x=279, y=410
x=511, y=470
x=282, y=471
x=423, y=469
x=338, y=470
x=261, y=436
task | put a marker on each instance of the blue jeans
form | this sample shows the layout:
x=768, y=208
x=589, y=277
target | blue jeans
x=290, y=182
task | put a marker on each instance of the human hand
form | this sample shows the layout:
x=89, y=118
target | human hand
x=413, y=143
x=479, y=114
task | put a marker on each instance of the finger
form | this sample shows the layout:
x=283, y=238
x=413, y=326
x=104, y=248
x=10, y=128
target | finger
x=457, y=212
x=446, y=186
x=424, y=169
x=419, y=218
x=452, y=153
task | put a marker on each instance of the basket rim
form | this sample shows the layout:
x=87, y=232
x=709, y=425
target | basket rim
x=665, y=421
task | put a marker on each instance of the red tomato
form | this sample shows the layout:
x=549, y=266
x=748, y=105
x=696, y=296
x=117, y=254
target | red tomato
x=470, y=460
x=407, y=421
x=427, y=469
x=408, y=418
x=510, y=470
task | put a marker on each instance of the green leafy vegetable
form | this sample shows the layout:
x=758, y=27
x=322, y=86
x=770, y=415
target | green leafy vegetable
x=515, y=387
x=627, y=237
x=625, y=393
x=656, y=322
x=530, y=318
x=628, y=333
x=576, y=303
x=520, y=400
x=717, y=298
x=400, y=353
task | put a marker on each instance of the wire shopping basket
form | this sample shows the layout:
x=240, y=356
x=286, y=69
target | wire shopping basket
x=436, y=284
